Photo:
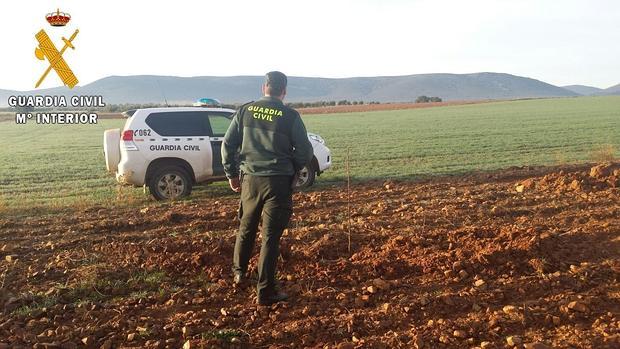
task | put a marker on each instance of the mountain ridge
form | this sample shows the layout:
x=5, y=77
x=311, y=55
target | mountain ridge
x=234, y=89
x=584, y=89
x=614, y=90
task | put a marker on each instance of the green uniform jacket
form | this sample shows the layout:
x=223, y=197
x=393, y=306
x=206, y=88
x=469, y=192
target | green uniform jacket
x=266, y=138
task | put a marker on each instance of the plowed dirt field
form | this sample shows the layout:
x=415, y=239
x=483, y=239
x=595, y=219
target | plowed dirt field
x=526, y=257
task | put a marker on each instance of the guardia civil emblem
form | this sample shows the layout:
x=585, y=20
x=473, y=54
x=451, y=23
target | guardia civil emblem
x=46, y=50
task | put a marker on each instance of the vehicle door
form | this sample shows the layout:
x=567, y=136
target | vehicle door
x=218, y=125
x=183, y=135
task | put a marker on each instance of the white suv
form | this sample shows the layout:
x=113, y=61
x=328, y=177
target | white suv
x=171, y=149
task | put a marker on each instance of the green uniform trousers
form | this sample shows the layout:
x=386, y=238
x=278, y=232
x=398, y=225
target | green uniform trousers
x=272, y=198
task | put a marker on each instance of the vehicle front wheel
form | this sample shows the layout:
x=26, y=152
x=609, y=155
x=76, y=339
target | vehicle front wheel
x=169, y=183
x=306, y=177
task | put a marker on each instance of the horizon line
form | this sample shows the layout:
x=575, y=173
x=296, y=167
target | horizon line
x=298, y=76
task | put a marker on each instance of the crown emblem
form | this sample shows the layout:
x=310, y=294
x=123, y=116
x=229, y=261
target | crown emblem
x=58, y=19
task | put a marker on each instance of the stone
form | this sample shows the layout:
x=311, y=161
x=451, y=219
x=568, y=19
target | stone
x=510, y=309
x=463, y=274
x=187, y=345
x=459, y=334
x=479, y=283
x=514, y=340
x=386, y=307
x=131, y=337
x=371, y=289
x=578, y=306
x=601, y=170
x=10, y=258
x=536, y=345
x=519, y=188
x=88, y=341
x=486, y=345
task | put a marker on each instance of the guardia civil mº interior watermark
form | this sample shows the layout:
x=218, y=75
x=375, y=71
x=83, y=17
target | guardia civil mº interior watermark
x=52, y=102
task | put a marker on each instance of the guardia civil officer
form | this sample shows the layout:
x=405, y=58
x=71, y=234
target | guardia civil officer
x=264, y=147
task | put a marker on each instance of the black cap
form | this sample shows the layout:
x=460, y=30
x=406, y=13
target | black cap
x=276, y=81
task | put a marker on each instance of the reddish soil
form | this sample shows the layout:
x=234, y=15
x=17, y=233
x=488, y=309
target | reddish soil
x=525, y=258
x=379, y=107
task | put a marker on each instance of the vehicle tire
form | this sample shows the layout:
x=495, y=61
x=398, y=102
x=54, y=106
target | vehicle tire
x=170, y=183
x=306, y=177
x=112, y=149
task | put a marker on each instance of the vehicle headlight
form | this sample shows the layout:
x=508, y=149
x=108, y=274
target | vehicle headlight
x=316, y=138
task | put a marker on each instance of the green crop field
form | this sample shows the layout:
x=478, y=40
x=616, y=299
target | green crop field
x=52, y=167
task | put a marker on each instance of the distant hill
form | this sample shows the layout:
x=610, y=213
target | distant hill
x=584, y=90
x=614, y=90
x=234, y=89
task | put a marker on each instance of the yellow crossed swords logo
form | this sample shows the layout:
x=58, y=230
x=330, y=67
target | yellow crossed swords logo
x=46, y=49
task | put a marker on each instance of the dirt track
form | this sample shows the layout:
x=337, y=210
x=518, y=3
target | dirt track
x=455, y=262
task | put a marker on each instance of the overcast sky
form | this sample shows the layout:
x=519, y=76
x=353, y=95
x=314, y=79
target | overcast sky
x=558, y=41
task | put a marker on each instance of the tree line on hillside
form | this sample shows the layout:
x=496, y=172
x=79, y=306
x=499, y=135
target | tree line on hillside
x=327, y=103
x=119, y=108
x=426, y=99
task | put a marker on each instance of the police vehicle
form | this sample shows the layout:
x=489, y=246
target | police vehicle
x=171, y=149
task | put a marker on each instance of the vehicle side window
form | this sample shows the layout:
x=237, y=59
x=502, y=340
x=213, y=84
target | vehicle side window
x=171, y=124
x=219, y=124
